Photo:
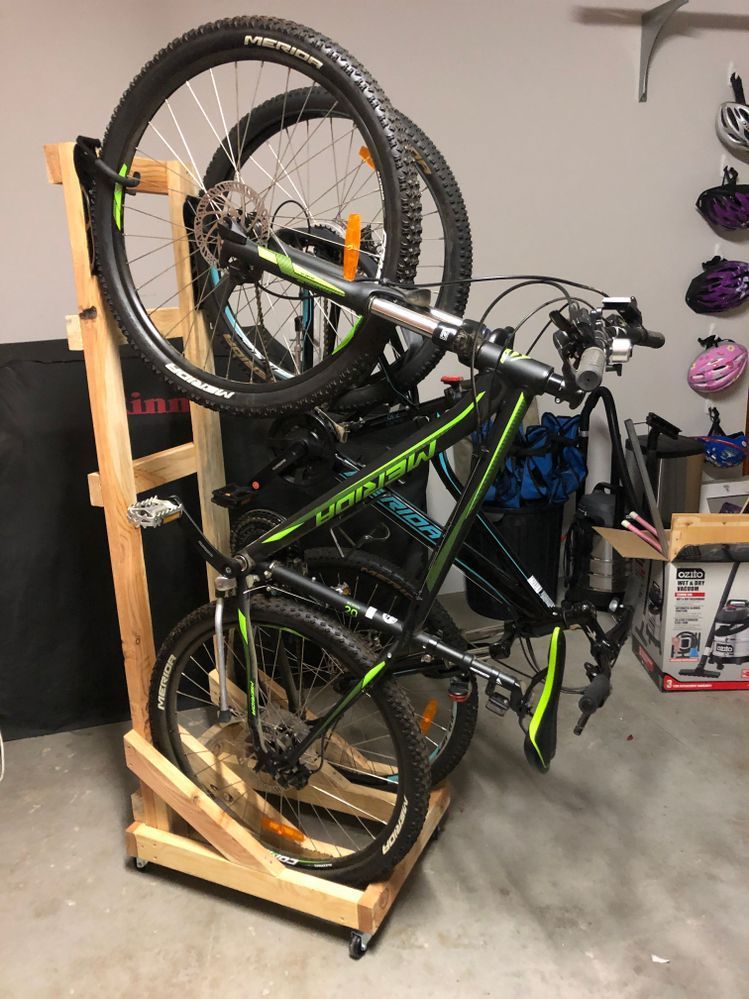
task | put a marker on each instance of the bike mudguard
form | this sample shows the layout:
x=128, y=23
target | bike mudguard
x=541, y=738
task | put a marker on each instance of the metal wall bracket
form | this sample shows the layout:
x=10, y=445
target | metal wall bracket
x=652, y=24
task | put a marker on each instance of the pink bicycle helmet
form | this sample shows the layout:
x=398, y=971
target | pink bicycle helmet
x=720, y=364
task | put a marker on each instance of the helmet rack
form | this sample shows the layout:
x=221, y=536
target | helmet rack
x=175, y=824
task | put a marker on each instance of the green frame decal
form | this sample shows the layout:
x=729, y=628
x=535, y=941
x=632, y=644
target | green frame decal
x=396, y=468
x=287, y=266
x=446, y=548
x=119, y=192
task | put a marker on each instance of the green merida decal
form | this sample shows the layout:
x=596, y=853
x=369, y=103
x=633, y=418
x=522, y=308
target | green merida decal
x=499, y=452
x=355, y=691
x=395, y=469
x=287, y=266
x=543, y=702
x=371, y=674
x=117, y=203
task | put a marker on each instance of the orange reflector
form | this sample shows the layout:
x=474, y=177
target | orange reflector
x=351, y=246
x=427, y=716
x=367, y=157
x=281, y=829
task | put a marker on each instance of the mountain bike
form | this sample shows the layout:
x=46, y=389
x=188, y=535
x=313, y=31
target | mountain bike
x=307, y=705
x=271, y=707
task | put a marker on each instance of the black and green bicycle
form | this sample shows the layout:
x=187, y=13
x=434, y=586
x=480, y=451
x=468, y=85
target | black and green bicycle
x=264, y=699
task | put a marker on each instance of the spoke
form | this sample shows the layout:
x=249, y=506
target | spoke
x=280, y=139
x=185, y=167
x=228, y=150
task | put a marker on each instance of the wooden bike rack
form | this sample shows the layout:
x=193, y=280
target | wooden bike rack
x=176, y=824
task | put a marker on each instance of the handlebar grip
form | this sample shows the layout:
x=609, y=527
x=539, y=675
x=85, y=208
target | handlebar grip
x=589, y=374
x=593, y=697
x=647, y=338
x=595, y=694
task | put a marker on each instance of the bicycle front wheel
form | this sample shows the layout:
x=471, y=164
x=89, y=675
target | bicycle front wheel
x=364, y=798
x=227, y=339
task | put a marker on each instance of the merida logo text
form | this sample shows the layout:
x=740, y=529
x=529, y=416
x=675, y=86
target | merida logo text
x=398, y=826
x=404, y=513
x=273, y=43
x=197, y=383
x=355, y=495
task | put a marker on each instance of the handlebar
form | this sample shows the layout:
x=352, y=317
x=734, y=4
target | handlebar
x=593, y=697
x=591, y=369
x=646, y=338
x=588, y=342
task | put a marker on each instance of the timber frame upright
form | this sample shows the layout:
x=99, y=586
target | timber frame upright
x=170, y=807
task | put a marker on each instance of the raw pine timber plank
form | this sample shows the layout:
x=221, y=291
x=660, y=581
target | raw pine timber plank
x=111, y=433
x=363, y=910
x=200, y=812
x=379, y=896
x=325, y=899
x=206, y=429
x=153, y=470
x=154, y=174
x=166, y=320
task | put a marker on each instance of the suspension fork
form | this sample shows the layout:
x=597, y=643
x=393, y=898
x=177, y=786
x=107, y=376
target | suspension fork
x=250, y=660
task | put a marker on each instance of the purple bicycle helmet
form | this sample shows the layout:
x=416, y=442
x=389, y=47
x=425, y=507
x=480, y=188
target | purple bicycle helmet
x=721, y=363
x=722, y=449
x=732, y=123
x=726, y=206
x=723, y=285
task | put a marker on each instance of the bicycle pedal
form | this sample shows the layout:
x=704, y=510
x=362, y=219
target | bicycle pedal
x=153, y=512
x=498, y=704
x=232, y=496
x=459, y=690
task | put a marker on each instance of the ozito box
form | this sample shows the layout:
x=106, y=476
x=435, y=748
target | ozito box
x=691, y=607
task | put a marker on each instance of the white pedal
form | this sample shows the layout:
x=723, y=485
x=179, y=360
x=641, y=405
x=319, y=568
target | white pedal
x=153, y=512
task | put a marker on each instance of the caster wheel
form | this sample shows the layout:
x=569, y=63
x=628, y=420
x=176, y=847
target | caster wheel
x=357, y=946
x=436, y=834
x=139, y=864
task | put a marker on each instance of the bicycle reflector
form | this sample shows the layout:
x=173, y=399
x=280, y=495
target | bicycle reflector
x=427, y=716
x=351, y=247
x=282, y=830
x=367, y=157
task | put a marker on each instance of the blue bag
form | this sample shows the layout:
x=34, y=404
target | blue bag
x=544, y=467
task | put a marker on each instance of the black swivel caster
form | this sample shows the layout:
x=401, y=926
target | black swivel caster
x=357, y=945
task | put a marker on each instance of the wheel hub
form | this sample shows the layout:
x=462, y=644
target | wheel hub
x=229, y=201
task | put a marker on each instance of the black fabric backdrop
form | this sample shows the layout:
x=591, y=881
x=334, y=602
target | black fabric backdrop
x=60, y=653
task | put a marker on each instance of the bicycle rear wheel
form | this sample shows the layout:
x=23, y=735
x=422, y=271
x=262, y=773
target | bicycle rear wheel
x=156, y=253
x=366, y=794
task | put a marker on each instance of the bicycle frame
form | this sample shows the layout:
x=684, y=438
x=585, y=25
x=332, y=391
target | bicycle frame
x=370, y=484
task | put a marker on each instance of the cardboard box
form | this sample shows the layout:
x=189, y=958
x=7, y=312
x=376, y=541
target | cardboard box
x=691, y=623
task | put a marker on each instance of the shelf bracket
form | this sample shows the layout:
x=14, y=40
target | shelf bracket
x=651, y=26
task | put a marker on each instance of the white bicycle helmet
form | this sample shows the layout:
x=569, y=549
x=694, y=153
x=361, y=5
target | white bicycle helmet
x=732, y=123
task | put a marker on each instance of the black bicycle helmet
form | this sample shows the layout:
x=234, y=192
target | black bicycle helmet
x=726, y=206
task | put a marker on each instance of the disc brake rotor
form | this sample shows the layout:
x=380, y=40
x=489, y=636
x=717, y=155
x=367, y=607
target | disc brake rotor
x=231, y=200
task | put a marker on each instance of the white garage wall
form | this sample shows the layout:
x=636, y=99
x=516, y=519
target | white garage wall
x=533, y=104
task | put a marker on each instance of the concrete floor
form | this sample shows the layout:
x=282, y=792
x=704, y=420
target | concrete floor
x=565, y=885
